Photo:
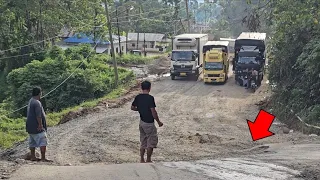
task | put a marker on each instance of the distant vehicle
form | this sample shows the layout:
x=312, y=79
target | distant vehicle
x=136, y=52
x=249, y=53
x=216, y=61
x=216, y=66
x=186, y=56
x=231, y=46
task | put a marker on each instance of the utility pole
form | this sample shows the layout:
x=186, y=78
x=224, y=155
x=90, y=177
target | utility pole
x=95, y=29
x=138, y=32
x=137, y=40
x=112, y=47
x=182, y=25
x=127, y=31
x=188, y=18
x=144, y=44
x=118, y=32
x=41, y=24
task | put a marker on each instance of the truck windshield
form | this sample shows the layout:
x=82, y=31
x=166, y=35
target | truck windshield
x=182, y=56
x=213, y=66
x=247, y=60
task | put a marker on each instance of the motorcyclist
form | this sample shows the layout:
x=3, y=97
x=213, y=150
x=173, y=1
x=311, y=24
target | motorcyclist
x=253, y=75
x=245, y=80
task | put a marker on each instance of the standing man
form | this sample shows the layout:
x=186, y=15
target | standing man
x=145, y=105
x=36, y=126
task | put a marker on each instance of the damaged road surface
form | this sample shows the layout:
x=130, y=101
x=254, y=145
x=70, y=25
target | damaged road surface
x=224, y=169
x=205, y=133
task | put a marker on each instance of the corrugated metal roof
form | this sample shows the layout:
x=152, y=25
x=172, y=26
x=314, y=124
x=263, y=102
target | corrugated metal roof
x=148, y=36
x=83, y=38
x=191, y=35
x=252, y=35
x=220, y=43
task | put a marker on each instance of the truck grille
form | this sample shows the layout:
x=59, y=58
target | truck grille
x=213, y=75
x=179, y=67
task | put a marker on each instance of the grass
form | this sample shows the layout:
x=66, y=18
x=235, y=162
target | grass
x=13, y=130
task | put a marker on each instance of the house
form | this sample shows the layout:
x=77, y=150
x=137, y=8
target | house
x=151, y=42
x=102, y=47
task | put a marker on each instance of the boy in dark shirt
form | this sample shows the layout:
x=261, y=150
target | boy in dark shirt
x=145, y=105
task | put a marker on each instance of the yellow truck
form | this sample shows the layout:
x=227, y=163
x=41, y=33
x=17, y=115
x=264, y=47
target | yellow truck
x=216, y=66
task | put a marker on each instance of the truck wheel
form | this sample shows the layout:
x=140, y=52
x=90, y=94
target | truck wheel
x=173, y=77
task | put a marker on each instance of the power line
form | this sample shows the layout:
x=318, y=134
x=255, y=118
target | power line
x=147, y=12
x=86, y=25
x=156, y=20
x=1, y=51
x=69, y=76
x=143, y=18
x=67, y=12
x=23, y=55
x=147, y=19
x=62, y=81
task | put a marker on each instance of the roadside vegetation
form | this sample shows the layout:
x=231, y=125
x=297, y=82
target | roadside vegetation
x=295, y=59
x=91, y=80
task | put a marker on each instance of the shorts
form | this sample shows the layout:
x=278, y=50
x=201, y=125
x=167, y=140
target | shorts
x=148, y=135
x=38, y=140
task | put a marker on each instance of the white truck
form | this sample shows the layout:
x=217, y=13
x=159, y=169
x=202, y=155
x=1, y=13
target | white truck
x=187, y=56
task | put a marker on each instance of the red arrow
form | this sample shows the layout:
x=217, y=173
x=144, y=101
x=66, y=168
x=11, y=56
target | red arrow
x=259, y=129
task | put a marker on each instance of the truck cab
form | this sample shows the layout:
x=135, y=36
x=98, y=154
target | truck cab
x=183, y=62
x=185, y=56
x=216, y=66
x=249, y=54
x=216, y=53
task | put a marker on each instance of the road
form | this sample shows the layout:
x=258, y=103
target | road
x=201, y=122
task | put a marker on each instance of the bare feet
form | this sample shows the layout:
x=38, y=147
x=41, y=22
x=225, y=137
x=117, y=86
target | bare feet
x=142, y=161
x=46, y=160
x=35, y=159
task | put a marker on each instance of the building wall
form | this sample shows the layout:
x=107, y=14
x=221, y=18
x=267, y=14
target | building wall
x=107, y=51
x=132, y=45
x=116, y=48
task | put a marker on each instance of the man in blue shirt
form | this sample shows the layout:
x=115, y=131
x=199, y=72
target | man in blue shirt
x=36, y=126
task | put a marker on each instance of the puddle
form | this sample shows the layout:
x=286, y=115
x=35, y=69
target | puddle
x=236, y=169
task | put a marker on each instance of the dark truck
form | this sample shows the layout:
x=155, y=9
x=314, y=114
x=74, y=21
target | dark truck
x=249, y=52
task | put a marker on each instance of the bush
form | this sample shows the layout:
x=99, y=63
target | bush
x=92, y=80
x=295, y=55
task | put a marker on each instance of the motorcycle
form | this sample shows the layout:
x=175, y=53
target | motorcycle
x=253, y=85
